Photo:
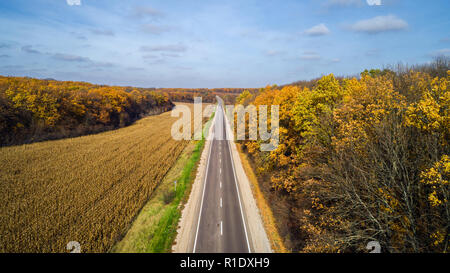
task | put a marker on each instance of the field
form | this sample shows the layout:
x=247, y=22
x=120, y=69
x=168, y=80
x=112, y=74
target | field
x=87, y=189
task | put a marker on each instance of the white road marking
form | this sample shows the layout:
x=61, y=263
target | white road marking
x=220, y=201
x=239, y=198
x=204, y=186
x=220, y=184
x=221, y=229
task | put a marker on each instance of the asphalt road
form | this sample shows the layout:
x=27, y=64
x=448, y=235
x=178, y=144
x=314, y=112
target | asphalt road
x=221, y=227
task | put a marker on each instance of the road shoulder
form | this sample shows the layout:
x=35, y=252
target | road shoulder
x=268, y=219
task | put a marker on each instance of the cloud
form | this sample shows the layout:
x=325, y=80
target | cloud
x=374, y=2
x=171, y=55
x=71, y=58
x=178, y=67
x=310, y=56
x=4, y=56
x=29, y=49
x=4, y=45
x=153, y=29
x=74, y=2
x=343, y=3
x=84, y=62
x=102, y=64
x=372, y=53
x=272, y=53
x=318, y=30
x=156, y=61
x=335, y=60
x=441, y=52
x=13, y=67
x=162, y=48
x=78, y=36
x=96, y=65
x=150, y=57
x=443, y=40
x=132, y=68
x=379, y=24
x=142, y=12
x=102, y=32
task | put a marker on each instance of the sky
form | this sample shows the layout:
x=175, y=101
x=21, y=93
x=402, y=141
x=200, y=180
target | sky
x=211, y=43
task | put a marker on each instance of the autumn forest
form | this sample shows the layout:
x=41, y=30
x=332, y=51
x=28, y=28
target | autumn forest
x=34, y=110
x=360, y=159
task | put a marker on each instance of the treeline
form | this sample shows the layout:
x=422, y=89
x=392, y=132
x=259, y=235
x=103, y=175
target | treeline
x=360, y=159
x=208, y=95
x=35, y=110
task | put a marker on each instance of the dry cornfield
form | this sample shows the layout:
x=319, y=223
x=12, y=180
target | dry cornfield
x=86, y=189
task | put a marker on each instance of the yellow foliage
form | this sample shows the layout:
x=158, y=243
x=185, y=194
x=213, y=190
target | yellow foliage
x=348, y=157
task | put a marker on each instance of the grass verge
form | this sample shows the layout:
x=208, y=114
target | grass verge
x=165, y=232
x=154, y=229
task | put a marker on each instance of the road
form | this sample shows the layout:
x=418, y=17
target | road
x=221, y=226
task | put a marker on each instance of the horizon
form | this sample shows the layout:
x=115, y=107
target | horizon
x=174, y=44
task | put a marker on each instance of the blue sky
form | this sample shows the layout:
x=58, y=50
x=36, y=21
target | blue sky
x=233, y=43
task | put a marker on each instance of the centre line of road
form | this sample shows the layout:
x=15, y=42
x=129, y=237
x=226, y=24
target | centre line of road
x=204, y=186
x=237, y=190
x=221, y=231
x=220, y=184
x=220, y=201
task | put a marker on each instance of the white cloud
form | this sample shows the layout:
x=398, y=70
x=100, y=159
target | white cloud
x=154, y=29
x=74, y=2
x=380, y=24
x=164, y=48
x=343, y=3
x=273, y=53
x=441, y=52
x=70, y=58
x=102, y=32
x=142, y=12
x=318, y=30
x=310, y=56
x=374, y=2
x=372, y=53
x=30, y=49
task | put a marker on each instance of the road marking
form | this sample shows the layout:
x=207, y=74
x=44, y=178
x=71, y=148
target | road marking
x=220, y=201
x=220, y=184
x=220, y=170
x=221, y=229
x=239, y=198
x=203, y=195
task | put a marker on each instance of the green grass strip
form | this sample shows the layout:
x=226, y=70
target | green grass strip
x=166, y=229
